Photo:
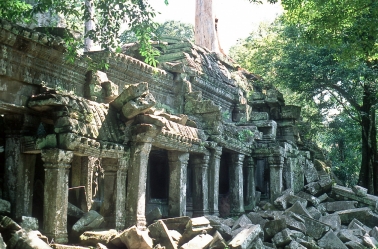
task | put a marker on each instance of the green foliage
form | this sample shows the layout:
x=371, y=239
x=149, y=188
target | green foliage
x=109, y=15
x=169, y=28
x=245, y=134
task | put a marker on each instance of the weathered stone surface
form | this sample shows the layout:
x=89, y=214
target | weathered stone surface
x=369, y=200
x=200, y=241
x=294, y=222
x=26, y=240
x=153, y=215
x=91, y=220
x=358, y=225
x=374, y=232
x=5, y=207
x=310, y=173
x=194, y=227
x=283, y=238
x=9, y=225
x=178, y=223
x=332, y=220
x=245, y=238
x=74, y=211
x=160, y=232
x=29, y=223
x=176, y=236
x=217, y=242
x=130, y=92
x=346, y=235
x=314, y=212
x=315, y=228
x=369, y=242
x=354, y=245
x=331, y=241
x=137, y=106
x=2, y=244
x=257, y=219
x=347, y=216
x=273, y=227
x=310, y=198
x=337, y=206
x=297, y=208
x=133, y=238
x=359, y=191
x=294, y=245
x=91, y=238
x=218, y=224
x=100, y=246
x=282, y=201
x=242, y=221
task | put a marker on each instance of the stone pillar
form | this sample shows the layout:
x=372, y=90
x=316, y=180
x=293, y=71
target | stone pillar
x=250, y=197
x=19, y=167
x=200, y=185
x=87, y=165
x=113, y=207
x=236, y=184
x=214, y=165
x=276, y=182
x=56, y=163
x=136, y=187
x=178, y=163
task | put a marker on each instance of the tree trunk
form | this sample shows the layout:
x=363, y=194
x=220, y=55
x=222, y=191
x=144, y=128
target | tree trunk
x=89, y=25
x=205, y=34
x=369, y=169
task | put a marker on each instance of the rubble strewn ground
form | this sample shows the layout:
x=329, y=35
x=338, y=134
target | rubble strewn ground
x=339, y=217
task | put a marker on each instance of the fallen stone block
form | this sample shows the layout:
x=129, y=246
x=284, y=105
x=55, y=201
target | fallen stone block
x=176, y=236
x=323, y=198
x=91, y=238
x=294, y=245
x=331, y=241
x=245, y=238
x=337, y=206
x=346, y=235
x=358, y=225
x=200, y=241
x=282, y=200
x=314, y=212
x=310, y=198
x=332, y=220
x=217, y=223
x=369, y=242
x=160, y=233
x=273, y=227
x=26, y=240
x=374, y=233
x=177, y=224
x=217, y=242
x=308, y=242
x=370, y=200
x=257, y=219
x=5, y=207
x=74, y=211
x=354, y=245
x=90, y=221
x=315, y=228
x=294, y=222
x=130, y=92
x=133, y=238
x=194, y=227
x=282, y=238
x=313, y=188
x=297, y=208
x=155, y=214
x=242, y=221
x=8, y=225
x=229, y=222
x=29, y=223
x=2, y=243
x=101, y=246
x=347, y=216
x=310, y=173
x=359, y=191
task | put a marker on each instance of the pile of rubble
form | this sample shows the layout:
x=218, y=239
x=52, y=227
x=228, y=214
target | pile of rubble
x=340, y=218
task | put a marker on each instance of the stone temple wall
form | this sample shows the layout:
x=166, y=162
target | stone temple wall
x=190, y=137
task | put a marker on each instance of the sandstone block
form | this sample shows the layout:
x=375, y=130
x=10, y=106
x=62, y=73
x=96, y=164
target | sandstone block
x=338, y=206
x=294, y=245
x=90, y=221
x=74, y=211
x=358, y=225
x=331, y=241
x=359, y=191
x=332, y=220
x=369, y=242
x=130, y=92
x=200, y=241
x=314, y=212
x=217, y=242
x=61, y=246
x=137, y=106
x=315, y=228
x=347, y=216
x=160, y=232
x=153, y=215
x=245, y=238
x=177, y=223
x=374, y=233
x=273, y=227
x=91, y=238
x=297, y=208
x=5, y=207
x=29, y=223
x=2, y=244
x=242, y=221
x=346, y=235
x=354, y=245
x=282, y=238
x=257, y=219
x=133, y=238
x=310, y=198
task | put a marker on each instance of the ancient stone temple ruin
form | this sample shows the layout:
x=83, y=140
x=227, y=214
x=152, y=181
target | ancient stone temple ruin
x=195, y=136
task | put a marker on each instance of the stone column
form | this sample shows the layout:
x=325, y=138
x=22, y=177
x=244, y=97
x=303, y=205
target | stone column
x=19, y=167
x=236, y=184
x=178, y=163
x=200, y=185
x=250, y=198
x=214, y=165
x=276, y=182
x=136, y=187
x=56, y=163
x=113, y=207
